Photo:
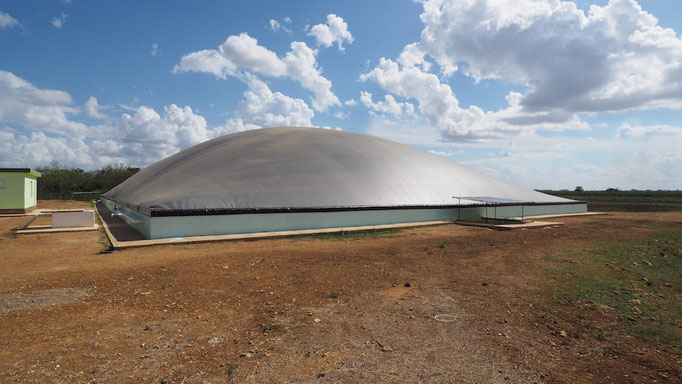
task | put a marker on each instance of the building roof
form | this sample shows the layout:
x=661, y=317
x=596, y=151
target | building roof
x=30, y=171
x=310, y=169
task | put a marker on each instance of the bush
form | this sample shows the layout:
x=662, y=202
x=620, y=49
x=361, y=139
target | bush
x=60, y=183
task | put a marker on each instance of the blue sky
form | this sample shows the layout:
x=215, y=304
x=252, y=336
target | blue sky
x=546, y=94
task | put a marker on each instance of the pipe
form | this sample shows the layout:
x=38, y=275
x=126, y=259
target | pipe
x=127, y=218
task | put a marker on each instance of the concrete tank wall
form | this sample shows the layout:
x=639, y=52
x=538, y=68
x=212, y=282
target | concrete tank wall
x=185, y=226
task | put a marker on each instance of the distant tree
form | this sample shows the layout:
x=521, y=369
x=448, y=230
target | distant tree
x=612, y=189
x=58, y=182
x=579, y=188
x=110, y=176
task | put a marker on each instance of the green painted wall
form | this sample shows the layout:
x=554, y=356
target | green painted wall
x=19, y=192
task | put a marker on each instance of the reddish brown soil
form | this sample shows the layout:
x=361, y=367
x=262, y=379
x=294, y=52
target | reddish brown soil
x=314, y=310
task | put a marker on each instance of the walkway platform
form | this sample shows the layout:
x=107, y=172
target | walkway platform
x=121, y=235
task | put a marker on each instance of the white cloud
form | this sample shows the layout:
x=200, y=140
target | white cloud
x=60, y=20
x=341, y=115
x=350, y=102
x=92, y=108
x=243, y=53
x=7, y=21
x=335, y=30
x=387, y=106
x=146, y=136
x=445, y=153
x=642, y=132
x=262, y=108
x=155, y=50
x=37, y=126
x=412, y=56
x=276, y=26
x=37, y=109
x=301, y=66
x=436, y=101
x=207, y=61
x=36, y=149
x=616, y=57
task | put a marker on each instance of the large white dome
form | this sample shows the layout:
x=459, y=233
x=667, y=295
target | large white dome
x=309, y=169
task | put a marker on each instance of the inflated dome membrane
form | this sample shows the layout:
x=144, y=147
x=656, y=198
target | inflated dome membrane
x=308, y=169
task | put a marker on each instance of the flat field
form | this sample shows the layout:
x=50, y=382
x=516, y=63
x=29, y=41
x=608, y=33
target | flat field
x=626, y=201
x=597, y=300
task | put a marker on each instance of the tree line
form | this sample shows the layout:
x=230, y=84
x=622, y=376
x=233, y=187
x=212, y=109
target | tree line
x=58, y=182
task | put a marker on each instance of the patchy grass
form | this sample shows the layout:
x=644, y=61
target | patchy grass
x=344, y=235
x=270, y=327
x=641, y=280
x=232, y=370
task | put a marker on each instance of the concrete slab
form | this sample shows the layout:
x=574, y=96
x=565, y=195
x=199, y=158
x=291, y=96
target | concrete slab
x=559, y=215
x=509, y=227
x=116, y=229
x=73, y=219
x=49, y=229
x=32, y=213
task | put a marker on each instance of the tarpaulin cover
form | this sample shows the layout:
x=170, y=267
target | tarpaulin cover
x=309, y=168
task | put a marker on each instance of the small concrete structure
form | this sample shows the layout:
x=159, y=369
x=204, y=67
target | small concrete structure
x=65, y=220
x=73, y=219
x=18, y=190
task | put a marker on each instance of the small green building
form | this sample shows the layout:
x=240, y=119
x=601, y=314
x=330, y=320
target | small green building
x=18, y=190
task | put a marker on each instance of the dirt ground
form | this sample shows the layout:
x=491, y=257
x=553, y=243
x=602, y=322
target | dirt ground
x=351, y=310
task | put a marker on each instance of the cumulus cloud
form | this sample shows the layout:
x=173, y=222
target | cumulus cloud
x=445, y=153
x=36, y=148
x=60, y=20
x=242, y=53
x=439, y=105
x=37, y=109
x=262, y=108
x=613, y=58
x=350, y=102
x=436, y=100
x=334, y=31
x=207, y=61
x=643, y=132
x=92, y=108
x=387, y=106
x=37, y=126
x=7, y=21
x=413, y=56
x=155, y=50
x=276, y=26
x=146, y=136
